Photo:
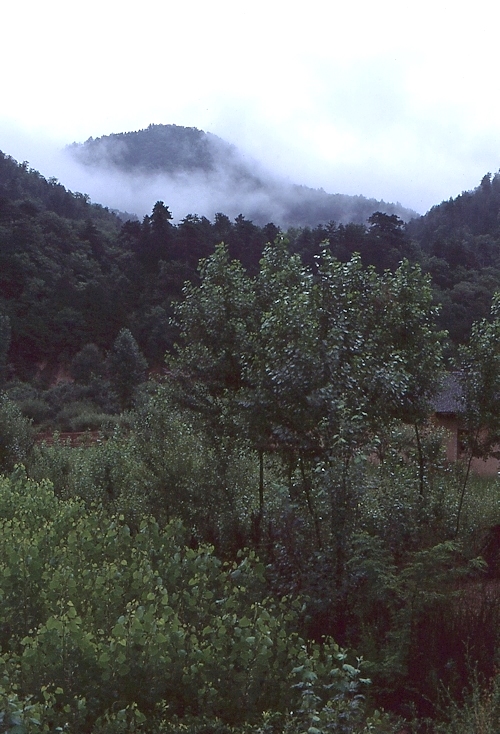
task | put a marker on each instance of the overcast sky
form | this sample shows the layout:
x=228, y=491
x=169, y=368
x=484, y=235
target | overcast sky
x=392, y=100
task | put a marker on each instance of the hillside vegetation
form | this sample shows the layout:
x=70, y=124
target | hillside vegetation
x=260, y=533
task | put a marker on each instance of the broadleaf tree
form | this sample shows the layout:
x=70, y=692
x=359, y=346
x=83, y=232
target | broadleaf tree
x=480, y=382
x=311, y=365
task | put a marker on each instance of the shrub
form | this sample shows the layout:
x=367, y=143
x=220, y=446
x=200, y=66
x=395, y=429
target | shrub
x=16, y=435
x=102, y=620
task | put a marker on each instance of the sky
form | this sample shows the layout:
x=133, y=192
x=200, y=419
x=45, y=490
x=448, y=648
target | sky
x=391, y=100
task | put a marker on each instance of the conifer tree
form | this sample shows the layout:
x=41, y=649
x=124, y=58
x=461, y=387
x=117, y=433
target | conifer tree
x=127, y=367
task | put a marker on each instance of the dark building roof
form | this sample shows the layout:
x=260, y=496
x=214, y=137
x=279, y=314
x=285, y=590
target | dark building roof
x=449, y=397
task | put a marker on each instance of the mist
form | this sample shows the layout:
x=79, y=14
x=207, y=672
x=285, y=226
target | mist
x=391, y=101
x=239, y=184
x=193, y=193
x=418, y=182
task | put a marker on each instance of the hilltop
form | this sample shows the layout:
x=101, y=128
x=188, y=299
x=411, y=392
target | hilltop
x=183, y=164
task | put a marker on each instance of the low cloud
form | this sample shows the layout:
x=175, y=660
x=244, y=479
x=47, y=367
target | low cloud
x=240, y=185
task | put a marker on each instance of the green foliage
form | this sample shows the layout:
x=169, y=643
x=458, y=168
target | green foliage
x=459, y=241
x=127, y=367
x=16, y=435
x=67, y=406
x=480, y=381
x=292, y=419
x=104, y=620
x=161, y=462
x=177, y=466
x=312, y=368
x=24, y=715
x=87, y=364
x=215, y=318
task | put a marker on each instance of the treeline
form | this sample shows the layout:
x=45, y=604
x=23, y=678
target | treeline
x=460, y=240
x=72, y=273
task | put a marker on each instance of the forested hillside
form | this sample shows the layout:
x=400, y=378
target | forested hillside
x=180, y=157
x=57, y=266
x=72, y=273
x=460, y=242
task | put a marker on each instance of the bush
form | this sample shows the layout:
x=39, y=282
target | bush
x=36, y=409
x=100, y=620
x=16, y=435
x=87, y=364
x=80, y=416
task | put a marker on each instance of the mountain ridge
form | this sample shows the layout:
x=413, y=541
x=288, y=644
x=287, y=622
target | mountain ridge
x=221, y=178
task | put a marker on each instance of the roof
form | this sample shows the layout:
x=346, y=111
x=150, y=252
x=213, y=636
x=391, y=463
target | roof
x=449, y=397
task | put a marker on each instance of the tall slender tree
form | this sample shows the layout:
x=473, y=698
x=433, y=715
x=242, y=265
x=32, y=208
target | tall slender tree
x=127, y=367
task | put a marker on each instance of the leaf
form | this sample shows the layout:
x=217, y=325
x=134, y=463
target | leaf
x=53, y=623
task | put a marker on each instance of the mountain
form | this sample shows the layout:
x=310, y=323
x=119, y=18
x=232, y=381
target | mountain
x=198, y=172
x=473, y=214
x=59, y=268
x=72, y=273
x=460, y=243
x=26, y=189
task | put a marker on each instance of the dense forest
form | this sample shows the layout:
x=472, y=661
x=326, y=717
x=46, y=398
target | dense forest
x=73, y=273
x=224, y=506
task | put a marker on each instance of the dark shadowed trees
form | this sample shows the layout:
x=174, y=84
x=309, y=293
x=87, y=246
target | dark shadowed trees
x=127, y=367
